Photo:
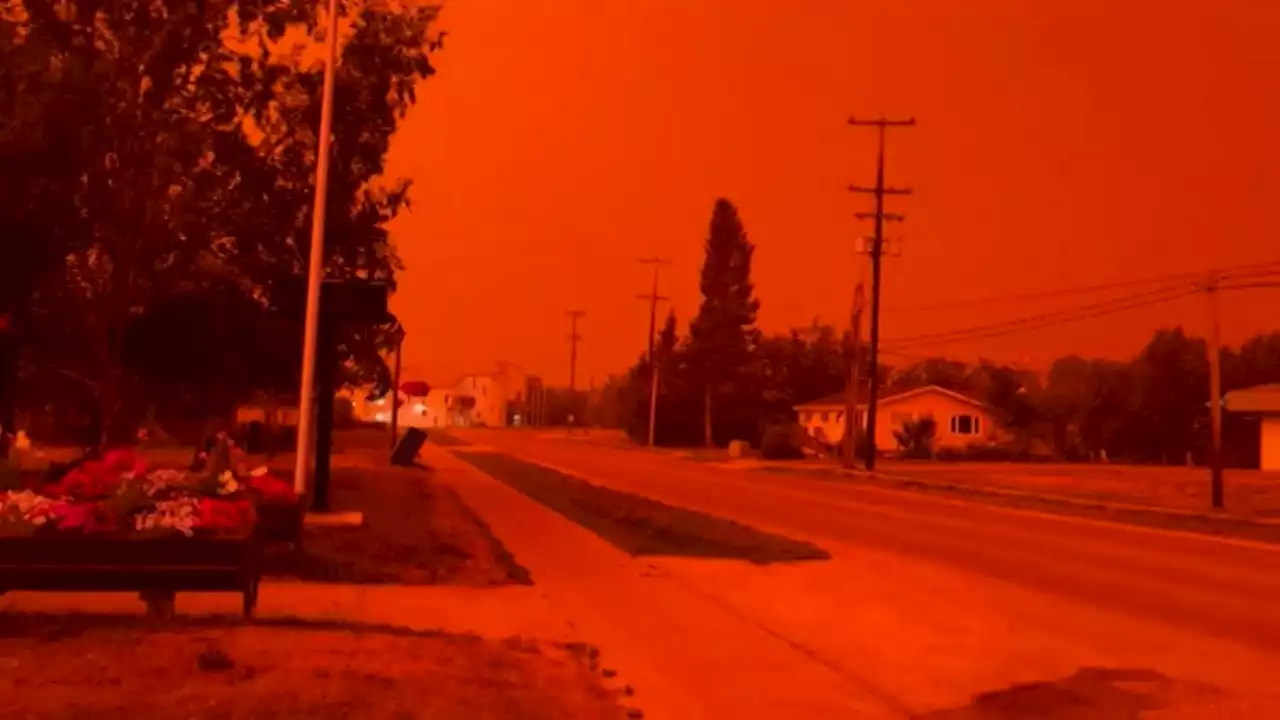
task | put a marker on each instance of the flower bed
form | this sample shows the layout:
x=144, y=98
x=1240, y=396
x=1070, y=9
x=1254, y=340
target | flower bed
x=118, y=496
x=114, y=524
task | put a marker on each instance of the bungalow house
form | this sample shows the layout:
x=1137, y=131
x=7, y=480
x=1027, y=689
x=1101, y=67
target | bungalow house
x=961, y=420
x=1262, y=401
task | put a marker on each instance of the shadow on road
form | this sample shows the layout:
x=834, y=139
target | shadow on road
x=1090, y=693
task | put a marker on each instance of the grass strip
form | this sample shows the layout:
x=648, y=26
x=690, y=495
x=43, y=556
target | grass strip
x=639, y=525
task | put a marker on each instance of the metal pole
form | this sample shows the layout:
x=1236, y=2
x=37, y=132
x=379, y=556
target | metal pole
x=315, y=267
x=1215, y=394
x=395, y=394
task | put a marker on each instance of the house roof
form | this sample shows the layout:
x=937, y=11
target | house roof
x=835, y=402
x=1257, y=399
x=832, y=402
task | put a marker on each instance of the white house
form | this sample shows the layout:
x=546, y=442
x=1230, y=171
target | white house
x=961, y=420
x=1262, y=401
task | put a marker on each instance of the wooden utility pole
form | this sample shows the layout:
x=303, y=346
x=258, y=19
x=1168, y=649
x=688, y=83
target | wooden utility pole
x=653, y=297
x=574, y=338
x=1215, y=392
x=851, y=392
x=877, y=248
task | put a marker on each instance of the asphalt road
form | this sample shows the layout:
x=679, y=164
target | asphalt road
x=1160, y=601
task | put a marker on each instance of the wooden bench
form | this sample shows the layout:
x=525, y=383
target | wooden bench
x=156, y=568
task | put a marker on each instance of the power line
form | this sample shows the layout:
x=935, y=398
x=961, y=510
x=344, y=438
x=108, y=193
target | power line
x=1061, y=317
x=1032, y=322
x=1261, y=268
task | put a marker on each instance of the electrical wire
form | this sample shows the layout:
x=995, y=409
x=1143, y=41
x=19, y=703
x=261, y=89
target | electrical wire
x=1261, y=268
x=1113, y=305
x=1043, y=320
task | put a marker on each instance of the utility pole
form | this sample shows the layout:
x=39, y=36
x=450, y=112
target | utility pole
x=574, y=338
x=653, y=297
x=1215, y=392
x=877, y=248
x=851, y=392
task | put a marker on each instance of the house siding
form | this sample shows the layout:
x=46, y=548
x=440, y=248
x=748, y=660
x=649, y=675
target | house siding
x=1270, y=429
x=895, y=411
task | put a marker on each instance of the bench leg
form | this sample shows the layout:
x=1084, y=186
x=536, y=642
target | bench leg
x=250, y=600
x=160, y=603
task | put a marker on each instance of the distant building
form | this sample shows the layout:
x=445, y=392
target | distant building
x=497, y=399
x=961, y=420
x=1263, y=402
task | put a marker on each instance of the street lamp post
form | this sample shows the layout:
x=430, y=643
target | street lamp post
x=315, y=268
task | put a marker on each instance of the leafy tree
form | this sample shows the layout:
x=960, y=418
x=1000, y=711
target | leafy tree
x=184, y=141
x=940, y=371
x=723, y=336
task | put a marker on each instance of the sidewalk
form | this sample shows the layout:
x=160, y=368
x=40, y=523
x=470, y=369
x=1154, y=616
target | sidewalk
x=685, y=655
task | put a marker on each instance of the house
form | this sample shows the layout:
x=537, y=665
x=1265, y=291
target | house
x=1263, y=402
x=961, y=420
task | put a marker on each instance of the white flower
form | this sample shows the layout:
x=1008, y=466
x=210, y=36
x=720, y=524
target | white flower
x=259, y=471
x=228, y=483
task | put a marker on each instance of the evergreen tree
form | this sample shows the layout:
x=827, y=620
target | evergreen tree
x=723, y=336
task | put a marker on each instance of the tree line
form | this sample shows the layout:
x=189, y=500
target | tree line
x=723, y=379
x=157, y=164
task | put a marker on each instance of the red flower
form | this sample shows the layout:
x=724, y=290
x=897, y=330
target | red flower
x=273, y=489
x=90, y=481
x=218, y=515
x=83, y=516
x=123, y=460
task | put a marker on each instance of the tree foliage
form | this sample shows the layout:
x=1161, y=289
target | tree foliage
x=156, y=155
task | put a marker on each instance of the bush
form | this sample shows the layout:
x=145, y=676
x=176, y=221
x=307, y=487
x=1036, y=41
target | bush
x=781, y=441
x=916, y=438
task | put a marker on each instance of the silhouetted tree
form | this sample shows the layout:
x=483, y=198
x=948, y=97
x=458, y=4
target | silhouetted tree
x=722, y=337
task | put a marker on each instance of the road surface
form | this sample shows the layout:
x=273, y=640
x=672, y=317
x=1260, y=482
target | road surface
x=933, y=601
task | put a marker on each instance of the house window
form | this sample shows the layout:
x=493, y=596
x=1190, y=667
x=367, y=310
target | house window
x=965, y=425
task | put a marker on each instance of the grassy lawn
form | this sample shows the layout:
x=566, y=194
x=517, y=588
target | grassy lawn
x=640, y=525
x=1160, y=497
x=416, y=531
x=73, y=667
x=1249, y=493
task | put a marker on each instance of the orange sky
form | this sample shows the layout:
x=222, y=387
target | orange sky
x=1061, y=143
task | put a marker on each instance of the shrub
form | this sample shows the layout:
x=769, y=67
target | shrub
x=916, y=438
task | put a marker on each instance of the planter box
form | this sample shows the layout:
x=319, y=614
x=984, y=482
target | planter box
x=156, y=566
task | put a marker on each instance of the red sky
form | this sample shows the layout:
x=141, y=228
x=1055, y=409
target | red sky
x=1060, y=143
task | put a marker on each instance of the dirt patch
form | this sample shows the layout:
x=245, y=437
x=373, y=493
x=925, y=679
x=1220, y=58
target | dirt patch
x=640, y=525
x=416, y=531
x=57, y=667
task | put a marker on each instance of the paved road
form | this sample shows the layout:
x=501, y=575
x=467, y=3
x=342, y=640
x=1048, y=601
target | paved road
x=1036, y=595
